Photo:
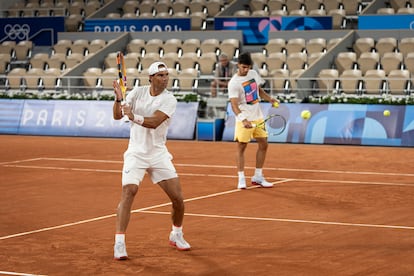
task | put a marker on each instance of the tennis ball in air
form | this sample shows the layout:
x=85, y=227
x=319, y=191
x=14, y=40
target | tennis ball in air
x=306, y=114
x=275, y=104
x=387, y=113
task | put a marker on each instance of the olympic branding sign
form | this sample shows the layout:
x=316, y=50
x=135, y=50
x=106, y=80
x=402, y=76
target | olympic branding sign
x=17, y=31
x=41, y=30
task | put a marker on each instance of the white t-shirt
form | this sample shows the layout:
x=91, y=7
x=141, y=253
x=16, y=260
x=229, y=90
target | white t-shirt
x=149, y=142
x=246, y=90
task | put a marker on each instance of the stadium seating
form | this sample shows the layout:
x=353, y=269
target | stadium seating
x=284, y=58
x=207, y=63
x=386, y=44
x=406, y=45
x=191, y=45
x=391, y=61
x=399, y=82
x=351, y=81
x=91, y=77
x=345, y=60
x=374, y=82
x=315, y=45
x=51, y=79
x=280, y=80
x=327, y=81
x=15, y=79
x=368, y=60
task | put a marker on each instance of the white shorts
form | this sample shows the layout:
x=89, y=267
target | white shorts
x=159, y=168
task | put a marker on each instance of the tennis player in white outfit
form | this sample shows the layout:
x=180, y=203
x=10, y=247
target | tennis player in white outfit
x=149, y=109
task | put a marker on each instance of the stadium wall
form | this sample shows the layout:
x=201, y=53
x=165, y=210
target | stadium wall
x=329, y=124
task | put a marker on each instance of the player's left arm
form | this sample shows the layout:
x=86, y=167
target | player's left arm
x=117, y=108
x=267, y=97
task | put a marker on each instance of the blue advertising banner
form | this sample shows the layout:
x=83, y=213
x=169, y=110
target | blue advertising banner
x=256, y=29
x=41, y=30
x=329, y=123
x=304, y=23
x=10, y=114
x=82, y=118
x=340, y=124
x=138, y=25
x=386, y=22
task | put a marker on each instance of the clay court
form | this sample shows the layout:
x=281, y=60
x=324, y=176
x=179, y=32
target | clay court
x=334, y=210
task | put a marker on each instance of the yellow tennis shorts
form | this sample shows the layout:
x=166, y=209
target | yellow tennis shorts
x=245, y=135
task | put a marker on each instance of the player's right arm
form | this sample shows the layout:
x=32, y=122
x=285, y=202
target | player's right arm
x=238, y=113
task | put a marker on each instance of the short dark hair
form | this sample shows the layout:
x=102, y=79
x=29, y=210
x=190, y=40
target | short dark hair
x=245, y=59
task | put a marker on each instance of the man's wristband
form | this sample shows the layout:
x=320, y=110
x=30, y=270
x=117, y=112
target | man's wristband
x=241, y=117
x=138, y=119
x=118, y=101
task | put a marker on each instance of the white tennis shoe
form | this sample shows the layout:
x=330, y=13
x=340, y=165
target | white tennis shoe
x=261, y=181
x=177, y=240
x=242, y=183
x=120, y=251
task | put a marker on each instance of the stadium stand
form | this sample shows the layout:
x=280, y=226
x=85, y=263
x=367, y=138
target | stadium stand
x=374, y=82
x=368, y=60
x=409, y=62
x=328, y=81
x=191, y=45
x=386, y=44
x=391, y=61
x=345, y=61
x=296, y=60
x=280, y=80
x=91, y=77
x=345, y=50
x=399, y=82
x=351, y=81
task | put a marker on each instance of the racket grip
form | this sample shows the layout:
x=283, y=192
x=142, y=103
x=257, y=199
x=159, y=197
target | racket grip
x=254, y=125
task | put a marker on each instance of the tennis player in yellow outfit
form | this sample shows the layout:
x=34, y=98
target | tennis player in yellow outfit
x=245, y=94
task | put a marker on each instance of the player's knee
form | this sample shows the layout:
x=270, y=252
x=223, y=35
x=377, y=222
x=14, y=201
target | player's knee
x=177, y=202
x=129, y=191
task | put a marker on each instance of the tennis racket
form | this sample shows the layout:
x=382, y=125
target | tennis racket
x=122, y=78
x=274, y=124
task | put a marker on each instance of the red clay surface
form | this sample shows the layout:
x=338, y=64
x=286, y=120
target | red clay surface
x=335, y=210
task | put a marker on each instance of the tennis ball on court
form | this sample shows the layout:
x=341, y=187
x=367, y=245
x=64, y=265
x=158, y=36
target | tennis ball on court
x=305, y=114
x=275, y=104
x=387, y=113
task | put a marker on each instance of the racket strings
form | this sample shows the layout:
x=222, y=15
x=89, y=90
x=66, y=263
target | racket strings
x=275, y=124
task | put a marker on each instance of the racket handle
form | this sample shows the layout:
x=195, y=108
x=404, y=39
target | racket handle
x=254, y=125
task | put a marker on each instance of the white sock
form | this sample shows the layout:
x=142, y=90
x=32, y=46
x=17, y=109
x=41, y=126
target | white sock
x=241, y=174
x=119, y=238
x=177, y=229
x=258, y=172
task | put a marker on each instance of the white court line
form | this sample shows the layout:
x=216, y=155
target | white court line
x=145, y=209
x=304, y=170
x=221, y=166
x=63, y=168
x=232, y=167
x=21, y=161
x=8, y=164
x=222, y=176
x=17, y=273
x=290, y=220
x=112, y=215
